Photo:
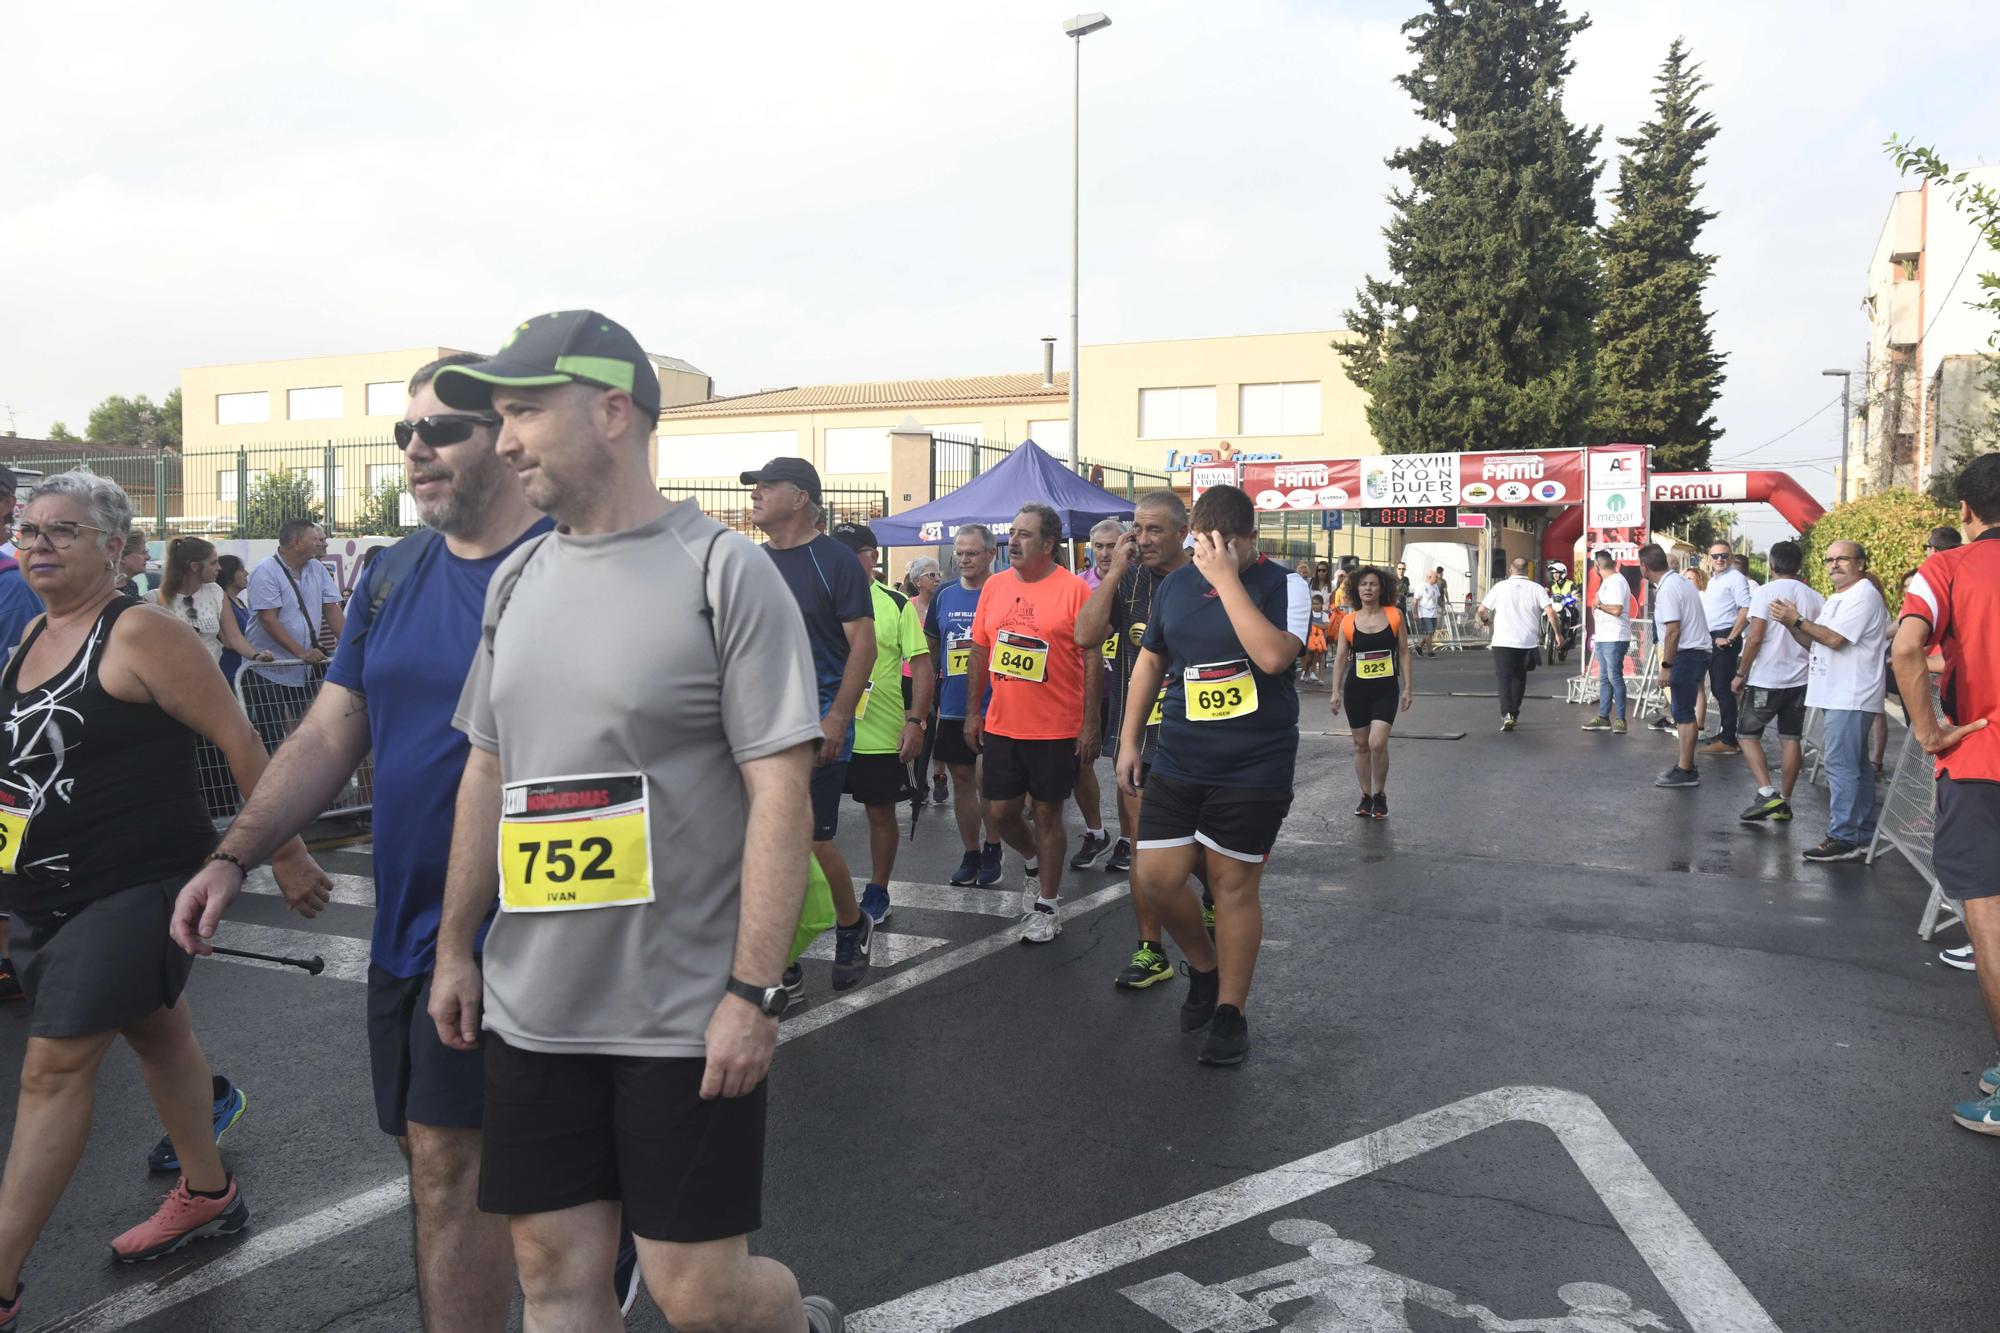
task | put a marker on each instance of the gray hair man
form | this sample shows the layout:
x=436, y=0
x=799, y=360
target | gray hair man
x=1770, y=679
x=1681, y=621
x=948, y=631
x=1512, y=607
x=295, y=615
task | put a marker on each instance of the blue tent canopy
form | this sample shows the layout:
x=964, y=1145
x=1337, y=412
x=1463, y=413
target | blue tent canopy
x=1030, y=474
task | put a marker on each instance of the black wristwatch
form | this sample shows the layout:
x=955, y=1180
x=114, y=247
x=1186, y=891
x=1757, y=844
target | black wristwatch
x=769, y=999
x=923, y=723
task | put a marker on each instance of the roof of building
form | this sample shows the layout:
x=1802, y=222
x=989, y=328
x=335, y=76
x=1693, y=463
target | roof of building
x=1023, y=388
x=16, y=447
x=675, y=363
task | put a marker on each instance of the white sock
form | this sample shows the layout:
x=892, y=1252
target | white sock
x=1047, y=904
x=1767, y=791
x=1097, y=832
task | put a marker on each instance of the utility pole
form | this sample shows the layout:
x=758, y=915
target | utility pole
x=1077, y=29
x=1846, y=384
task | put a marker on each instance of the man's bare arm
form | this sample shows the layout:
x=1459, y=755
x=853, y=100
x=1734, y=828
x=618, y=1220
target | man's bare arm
x=275, y=627
x=776, y=843
x=311, y=766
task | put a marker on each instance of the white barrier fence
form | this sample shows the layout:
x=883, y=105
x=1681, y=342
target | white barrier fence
x=275, y=708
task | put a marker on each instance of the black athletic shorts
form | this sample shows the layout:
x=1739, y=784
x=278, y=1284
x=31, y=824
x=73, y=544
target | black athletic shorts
x=1240, y=822
x=417, y=1077
x=828, y=782
x=106, y=964
x=1045, y=770
x=877, y=779
x=1966, y=852
x=1786, y=707
x=564, y=1130
x=951, y=749
x=1367, y=702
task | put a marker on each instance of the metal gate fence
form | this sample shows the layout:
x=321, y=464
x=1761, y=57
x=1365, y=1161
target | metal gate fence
x=275, y=709
x=730, y=505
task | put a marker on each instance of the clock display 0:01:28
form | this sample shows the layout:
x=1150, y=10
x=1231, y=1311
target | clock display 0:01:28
x=1411, y=516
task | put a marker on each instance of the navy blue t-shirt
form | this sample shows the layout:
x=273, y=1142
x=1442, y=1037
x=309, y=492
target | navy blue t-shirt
x=827, y=583
x=411, y=666
x=1191, y=630
x=19, y=604
x=950, y=621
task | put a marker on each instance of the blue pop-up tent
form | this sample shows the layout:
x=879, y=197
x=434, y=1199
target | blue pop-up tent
x=1028, y=475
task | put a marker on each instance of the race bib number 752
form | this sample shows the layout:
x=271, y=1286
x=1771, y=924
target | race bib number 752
x=568, y=844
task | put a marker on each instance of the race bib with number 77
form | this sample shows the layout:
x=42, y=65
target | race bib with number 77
x=574, y=843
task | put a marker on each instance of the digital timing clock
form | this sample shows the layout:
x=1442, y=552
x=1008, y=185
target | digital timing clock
x=1411, y=516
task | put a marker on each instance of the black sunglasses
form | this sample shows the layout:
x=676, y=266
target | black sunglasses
x=443, y=428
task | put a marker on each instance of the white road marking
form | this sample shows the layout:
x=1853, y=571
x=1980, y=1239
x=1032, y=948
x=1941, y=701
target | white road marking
x=348, y=890
x=1710, y=1295
x=315, y=1229
x=887, y=950
x=346, y=959
x=950, y=898
x=244, y=1257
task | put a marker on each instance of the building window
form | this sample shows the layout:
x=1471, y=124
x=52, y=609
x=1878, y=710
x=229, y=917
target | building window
x=387, y=399
x=723, y=453
x=242, y=409
x=1176, y=414
x=314, y=404
x=225, y=484
x=852, y=449
x=384, y=474
x=1278, y=409
x=1051, y=435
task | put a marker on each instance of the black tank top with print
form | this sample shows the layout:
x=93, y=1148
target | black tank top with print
x=1373, y=641
x=96, y=794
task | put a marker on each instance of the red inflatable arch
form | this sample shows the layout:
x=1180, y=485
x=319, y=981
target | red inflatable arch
x=1776, y=489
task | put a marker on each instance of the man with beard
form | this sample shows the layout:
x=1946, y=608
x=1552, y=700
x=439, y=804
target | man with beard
x=392, y=686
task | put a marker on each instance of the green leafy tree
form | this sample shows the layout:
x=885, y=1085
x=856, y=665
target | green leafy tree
x=1658, y=373
x=1480, y=337
x=139, y=422
x=275, y=497
x=1890, y=525
x=62, y=434
x=1981, y=433
x=381, y=512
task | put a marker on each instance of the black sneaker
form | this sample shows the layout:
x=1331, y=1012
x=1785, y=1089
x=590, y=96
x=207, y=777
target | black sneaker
x=10, y=985
x=1836, y=849
x=1766, y=807
x=1678, y=777
x=850, y=952
x=625, y=1272
x=1149, y=967
x=1093, y=847
x=1660, y=722
x=938, y=789
x=1366, y=808
x=1228, y=1039
x=1199, y=1006
x=1381, y=805
x=794, y=982
x=967, y=873
x=1120, y=860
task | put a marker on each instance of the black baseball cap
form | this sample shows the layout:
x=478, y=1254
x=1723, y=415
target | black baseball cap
x=795, y=470
x=856, y=536
x=7, y=482
x=566, y=347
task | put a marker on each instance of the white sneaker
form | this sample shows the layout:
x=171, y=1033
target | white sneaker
x=1960, y=958
x=1041, y=927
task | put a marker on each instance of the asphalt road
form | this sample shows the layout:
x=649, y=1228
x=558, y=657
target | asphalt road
x=1545, y=1025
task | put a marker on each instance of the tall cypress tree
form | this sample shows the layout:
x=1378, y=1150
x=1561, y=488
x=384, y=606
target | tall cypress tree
x=1481, y=337
x=1658, y=373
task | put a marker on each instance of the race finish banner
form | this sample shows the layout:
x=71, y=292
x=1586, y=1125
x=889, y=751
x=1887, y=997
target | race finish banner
x=1615, y=519
x=1390, y=481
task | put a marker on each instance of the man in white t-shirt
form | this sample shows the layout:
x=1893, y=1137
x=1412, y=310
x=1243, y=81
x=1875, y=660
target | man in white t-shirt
x=1428, y=603
x=1770, y=681
x=1682, y=624
x=1611, y=635
x=1844, y=680
x=1514, y=607
x=1726, y=599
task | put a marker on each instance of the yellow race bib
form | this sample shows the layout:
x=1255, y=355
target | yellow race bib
x=1111, y=651
x=567, y=844
x=1219, y=691
x=1375, y=666
x=957, y=657
x=1020, y=657
x=861, y=709
x=1159, y=713
x=13, y=832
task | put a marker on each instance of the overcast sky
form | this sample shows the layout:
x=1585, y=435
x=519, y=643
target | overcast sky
x=788, y=193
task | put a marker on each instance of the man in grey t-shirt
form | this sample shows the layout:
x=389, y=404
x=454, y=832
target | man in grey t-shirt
x=648, y=795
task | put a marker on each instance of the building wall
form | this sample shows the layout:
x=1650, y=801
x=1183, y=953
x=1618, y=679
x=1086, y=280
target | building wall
x=212, y=402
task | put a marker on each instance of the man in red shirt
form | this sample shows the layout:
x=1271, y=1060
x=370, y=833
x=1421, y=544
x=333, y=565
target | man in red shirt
x=1044, y=711
x=1952, y=606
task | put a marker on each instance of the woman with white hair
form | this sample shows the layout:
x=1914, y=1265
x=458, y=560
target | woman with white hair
x=920, y=584
x=101, y=823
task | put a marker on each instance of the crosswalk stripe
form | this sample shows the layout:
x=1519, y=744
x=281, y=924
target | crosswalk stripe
x=948, y=898
x=346, y=958
x=350, y=890
x=887, y=950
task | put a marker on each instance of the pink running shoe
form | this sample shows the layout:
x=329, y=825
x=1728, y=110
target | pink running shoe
x=10, y=1311
x=182, y=1217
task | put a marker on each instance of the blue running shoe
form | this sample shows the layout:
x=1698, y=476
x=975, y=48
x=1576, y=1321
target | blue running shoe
x=989, y=865
x=1982, y=1116
x=229, y=1104
x=875, y=902
x=1989, y=1079
x=967, y=873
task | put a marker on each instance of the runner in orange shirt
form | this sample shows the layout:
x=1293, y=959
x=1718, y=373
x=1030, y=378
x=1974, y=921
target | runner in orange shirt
x=1044, y=710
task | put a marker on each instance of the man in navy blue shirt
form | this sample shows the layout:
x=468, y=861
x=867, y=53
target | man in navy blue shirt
x=393, y=685
x=1224, y=634
x=832, y=593
x=948, y=626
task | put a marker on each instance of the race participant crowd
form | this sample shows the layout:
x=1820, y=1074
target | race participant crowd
x=570, y=1048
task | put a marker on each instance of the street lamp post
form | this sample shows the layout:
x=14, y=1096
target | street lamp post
x=1078, y=28
x=1846, y=383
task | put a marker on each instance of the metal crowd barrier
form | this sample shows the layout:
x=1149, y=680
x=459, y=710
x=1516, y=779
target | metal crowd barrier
x=1812, y=745
x=1908, y=823
x=275, y=709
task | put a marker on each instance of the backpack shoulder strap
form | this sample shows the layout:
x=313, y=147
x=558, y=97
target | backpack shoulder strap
x=708, y=602
x=387, y=570
x=529, y=549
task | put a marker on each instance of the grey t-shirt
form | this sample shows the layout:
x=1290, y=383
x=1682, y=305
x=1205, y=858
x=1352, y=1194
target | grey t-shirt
x=603, y=664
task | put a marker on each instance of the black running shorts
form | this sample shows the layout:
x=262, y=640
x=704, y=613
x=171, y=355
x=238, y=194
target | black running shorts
x=417, y=1077
x=1240, y=822
x=564, y=1130
x=828, y=782
x=1966, y=854
x=877, y=779
x=1045, y=770
x=1786, y=707
x=1367, y=702
x=951, y=748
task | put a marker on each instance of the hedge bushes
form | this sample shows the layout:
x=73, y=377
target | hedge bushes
x=1891, y=526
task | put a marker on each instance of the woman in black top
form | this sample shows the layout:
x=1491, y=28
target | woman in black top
x=101, y=822
x=1372, y=679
